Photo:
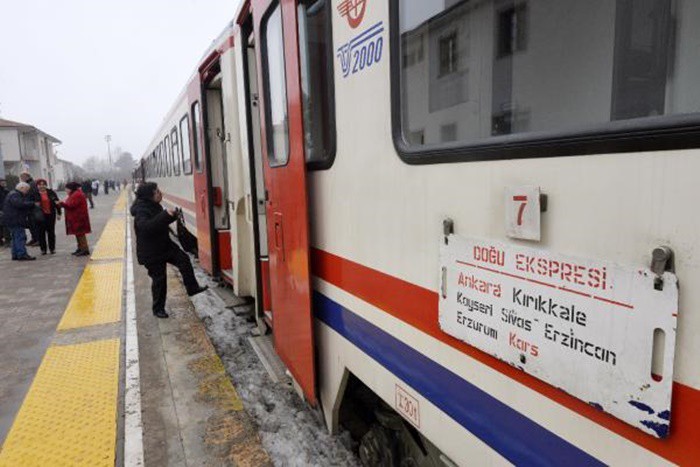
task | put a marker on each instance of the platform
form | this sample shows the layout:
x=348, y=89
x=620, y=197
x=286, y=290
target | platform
x=90, y=377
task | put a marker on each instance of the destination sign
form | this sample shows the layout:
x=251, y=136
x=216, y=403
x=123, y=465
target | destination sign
x=592, y=328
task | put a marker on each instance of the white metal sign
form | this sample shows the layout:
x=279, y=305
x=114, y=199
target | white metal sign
x=523, y=212
x=586, y=326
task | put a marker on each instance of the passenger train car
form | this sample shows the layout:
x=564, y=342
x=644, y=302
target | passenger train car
x=469, y=225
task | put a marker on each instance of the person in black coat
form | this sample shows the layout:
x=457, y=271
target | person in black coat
x=154, y=248
x=33, y=196
x=51, y=210
x=86, y=186
x=15, y=210
x=4, y=233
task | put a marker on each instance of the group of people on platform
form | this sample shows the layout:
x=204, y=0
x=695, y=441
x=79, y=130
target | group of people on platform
x=34, y=206
x=91, y=188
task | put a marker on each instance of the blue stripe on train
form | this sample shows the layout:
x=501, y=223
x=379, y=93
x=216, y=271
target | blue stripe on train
x=507, y=431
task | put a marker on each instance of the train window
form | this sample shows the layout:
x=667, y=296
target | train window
x=196, y=128
x=175, y=151
x=185, y=141
x=160, y=166
x=167, y=150
x=532, y=78
x=316, y=54
x=276, y=118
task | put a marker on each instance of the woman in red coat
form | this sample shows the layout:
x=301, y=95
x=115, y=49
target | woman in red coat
x=77, y=217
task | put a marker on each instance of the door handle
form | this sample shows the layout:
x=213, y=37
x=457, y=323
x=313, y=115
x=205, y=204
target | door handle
x=279, y=235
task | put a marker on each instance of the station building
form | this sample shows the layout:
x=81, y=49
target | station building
x=25, y=147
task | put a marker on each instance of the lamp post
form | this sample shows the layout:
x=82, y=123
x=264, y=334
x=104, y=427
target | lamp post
x=108, y=138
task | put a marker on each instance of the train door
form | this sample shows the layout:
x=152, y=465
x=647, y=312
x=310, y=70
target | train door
x=216, y=134
x=205, y=233
x=275, y=29
x=212, y=198
x=256, y=192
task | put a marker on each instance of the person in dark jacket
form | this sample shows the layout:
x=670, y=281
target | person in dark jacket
x=15, y=210
x=154, y=248
x=86, y=186
x=4, y=233
x=33, y=196
x=51, y=209
x=77, y=217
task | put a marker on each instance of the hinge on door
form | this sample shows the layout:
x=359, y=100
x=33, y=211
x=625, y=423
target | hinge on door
x=661, y=261
x=267, y=195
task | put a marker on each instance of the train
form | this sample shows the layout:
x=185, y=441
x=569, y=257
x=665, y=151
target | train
x=468, y=225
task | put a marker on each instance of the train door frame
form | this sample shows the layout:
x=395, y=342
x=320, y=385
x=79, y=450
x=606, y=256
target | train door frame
x=261, y=277
x=207, y=73
x=288, y=227
x=201, y=172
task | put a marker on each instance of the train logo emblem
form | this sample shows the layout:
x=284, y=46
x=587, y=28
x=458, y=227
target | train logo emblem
x=363, y=51
x=353, y=10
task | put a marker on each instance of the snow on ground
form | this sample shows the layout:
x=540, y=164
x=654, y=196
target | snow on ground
x=292, y=432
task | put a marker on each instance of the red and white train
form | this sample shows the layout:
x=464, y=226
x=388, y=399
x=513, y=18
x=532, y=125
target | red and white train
x=466, y=217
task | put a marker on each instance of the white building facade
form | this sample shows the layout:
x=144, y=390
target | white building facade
x=24, y=147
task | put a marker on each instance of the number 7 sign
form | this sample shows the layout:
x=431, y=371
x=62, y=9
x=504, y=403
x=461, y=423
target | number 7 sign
x=522, y=209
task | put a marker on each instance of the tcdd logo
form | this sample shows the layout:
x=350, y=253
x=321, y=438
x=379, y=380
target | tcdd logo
x=353, y=10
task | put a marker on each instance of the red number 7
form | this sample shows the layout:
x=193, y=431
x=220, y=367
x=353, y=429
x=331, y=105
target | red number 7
x=523, y=201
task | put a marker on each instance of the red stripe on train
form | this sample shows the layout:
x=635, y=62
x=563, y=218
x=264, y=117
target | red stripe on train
x=418, y=307
x=185, y=203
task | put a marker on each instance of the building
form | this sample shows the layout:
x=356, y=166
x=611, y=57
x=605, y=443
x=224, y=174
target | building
x=24, y=147
x=65, y=172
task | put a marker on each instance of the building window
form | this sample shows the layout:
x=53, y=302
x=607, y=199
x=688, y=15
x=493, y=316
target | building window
x=412, y=50
x=448, y=54
x=448, y=133
x=512, y=30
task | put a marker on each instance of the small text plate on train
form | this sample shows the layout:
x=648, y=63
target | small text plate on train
x=602, y=332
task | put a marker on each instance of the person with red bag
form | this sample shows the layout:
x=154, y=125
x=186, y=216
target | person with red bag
x=77, y=217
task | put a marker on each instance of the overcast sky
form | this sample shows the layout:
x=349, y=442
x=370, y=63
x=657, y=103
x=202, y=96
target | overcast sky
x=82, y=69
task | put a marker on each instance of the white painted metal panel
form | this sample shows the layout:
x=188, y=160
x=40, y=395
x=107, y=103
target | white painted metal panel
x=586, y=326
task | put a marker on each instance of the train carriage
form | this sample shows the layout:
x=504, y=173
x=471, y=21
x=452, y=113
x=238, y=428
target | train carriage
x=463, y=222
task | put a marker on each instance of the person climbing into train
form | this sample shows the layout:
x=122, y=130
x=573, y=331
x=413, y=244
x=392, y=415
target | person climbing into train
x=155, y=249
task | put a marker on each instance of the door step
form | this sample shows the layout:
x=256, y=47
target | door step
x=265, y=350
x=227, y=275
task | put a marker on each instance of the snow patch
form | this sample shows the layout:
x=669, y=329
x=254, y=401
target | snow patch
x=292, y=432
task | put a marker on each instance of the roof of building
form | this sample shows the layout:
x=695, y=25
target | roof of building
x=4, y=123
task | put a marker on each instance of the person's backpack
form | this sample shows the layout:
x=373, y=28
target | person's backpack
x=186, y=239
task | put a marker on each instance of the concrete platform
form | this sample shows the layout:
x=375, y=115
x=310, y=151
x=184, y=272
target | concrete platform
x=33, y=297
x=90, y=377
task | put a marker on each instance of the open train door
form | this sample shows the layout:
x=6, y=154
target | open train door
x=275, y=24
x=201, y=178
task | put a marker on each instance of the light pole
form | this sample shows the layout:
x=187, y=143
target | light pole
x=108, y=138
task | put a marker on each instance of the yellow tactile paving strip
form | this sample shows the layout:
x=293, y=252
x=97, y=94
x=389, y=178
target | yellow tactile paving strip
x=69, y=415
x=112, y=241
x=120, y=205
x=97, y=299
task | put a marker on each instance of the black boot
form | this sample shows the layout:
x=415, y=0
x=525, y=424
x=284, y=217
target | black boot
x=198, y=290
x=160, y=314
